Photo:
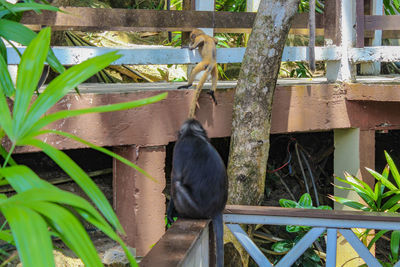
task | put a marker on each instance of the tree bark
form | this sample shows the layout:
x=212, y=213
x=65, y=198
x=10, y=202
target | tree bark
x=253, y=101
x=252, y=107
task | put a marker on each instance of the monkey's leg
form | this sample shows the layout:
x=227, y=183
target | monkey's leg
x=199, y=86
x=199, y=67
x=184, y=198
x=214, y=75
x=218, y=228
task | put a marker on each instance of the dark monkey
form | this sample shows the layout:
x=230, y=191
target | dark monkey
x=207, y=49
x=199, y=186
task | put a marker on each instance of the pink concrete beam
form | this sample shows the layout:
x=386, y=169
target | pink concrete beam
x=139, y=202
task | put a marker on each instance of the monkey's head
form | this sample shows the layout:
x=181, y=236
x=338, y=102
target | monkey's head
x=195, y=33
x=192, y=127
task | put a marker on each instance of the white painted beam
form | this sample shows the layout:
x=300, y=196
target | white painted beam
x=375, y=54
x=165, y=55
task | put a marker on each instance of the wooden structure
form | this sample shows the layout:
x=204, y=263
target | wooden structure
x=195, y=235
x=354, y=111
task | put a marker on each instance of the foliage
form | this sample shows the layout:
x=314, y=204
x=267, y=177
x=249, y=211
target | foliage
x=384, y=197
x=304, y=6
x=12, y=30
x=45, y=206
x=391, y=7
x=309, y=258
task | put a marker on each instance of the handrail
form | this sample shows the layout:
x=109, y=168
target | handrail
x=322, y=221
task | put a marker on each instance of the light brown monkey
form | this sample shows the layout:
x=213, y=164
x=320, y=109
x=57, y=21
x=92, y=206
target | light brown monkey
x=207, y=49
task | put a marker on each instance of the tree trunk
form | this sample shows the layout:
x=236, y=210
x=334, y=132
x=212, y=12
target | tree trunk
x=253, y=104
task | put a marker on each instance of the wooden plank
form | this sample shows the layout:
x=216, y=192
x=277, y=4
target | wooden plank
x=331, y=22
x=331, y=247
x=359, y=247
x=312, y=213
x=375, y=22
x=173, y=248
x=300, y=247
x=92, y=19
x=249, y=245
x=360, y=23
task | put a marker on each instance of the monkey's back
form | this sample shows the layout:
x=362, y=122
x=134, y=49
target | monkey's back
x=202, y=172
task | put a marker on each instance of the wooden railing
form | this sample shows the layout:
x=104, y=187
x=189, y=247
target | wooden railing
x=169, y=251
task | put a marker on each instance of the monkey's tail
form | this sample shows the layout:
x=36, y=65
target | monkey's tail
x=218, y=228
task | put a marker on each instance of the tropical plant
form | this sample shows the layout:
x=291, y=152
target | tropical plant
x=49, y=210
x=12, y=30
x=391, y=7
x=384, y=197
x=310, y=257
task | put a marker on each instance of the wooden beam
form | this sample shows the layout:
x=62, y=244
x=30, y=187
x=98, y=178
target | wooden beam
x=360, y=23
x=374, y=22
x=92, y=19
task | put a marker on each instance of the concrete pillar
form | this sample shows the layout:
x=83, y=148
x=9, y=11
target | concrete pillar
x=139, y=201
x=354, y=150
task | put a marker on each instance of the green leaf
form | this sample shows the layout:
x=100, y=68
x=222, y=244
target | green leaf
x=30, y=234
x=394, y=245
x=70, y=230
x=21, y=178
x=21, y=7
x=305, y=201
x=363, y=186
x=282, y=246
x=3, y=51
x=6, y=236
x=81, y=178
x=287, y=203
x=101, y=149
x=376, y=237
x=393, y=169
x=390, y=203
x=365, y=193
x=15, y=31
x=324, y=207
x=293, y=228
x=350, y=203
x=63, y=83
x=6, y=84
x=383, y=180
x=19, y=33
x=4, y=154
x=29, y=72
x=394, y=208
x=107, y=108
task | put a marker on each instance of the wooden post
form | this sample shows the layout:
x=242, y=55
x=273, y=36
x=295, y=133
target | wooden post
x=360, y=23
x=139, y=201
x=206, y=5
x=343, y=70
x=374, y=68
x=354, y=150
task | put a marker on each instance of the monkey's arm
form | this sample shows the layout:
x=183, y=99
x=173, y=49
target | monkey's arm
x=198, y=41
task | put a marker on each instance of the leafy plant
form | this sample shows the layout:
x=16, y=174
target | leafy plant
x=309, y=258
x=12, y=30
x=49, y=210
x=384, y=197
x=391, y=7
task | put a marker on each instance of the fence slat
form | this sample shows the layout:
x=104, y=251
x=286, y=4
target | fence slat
x=91, y=19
